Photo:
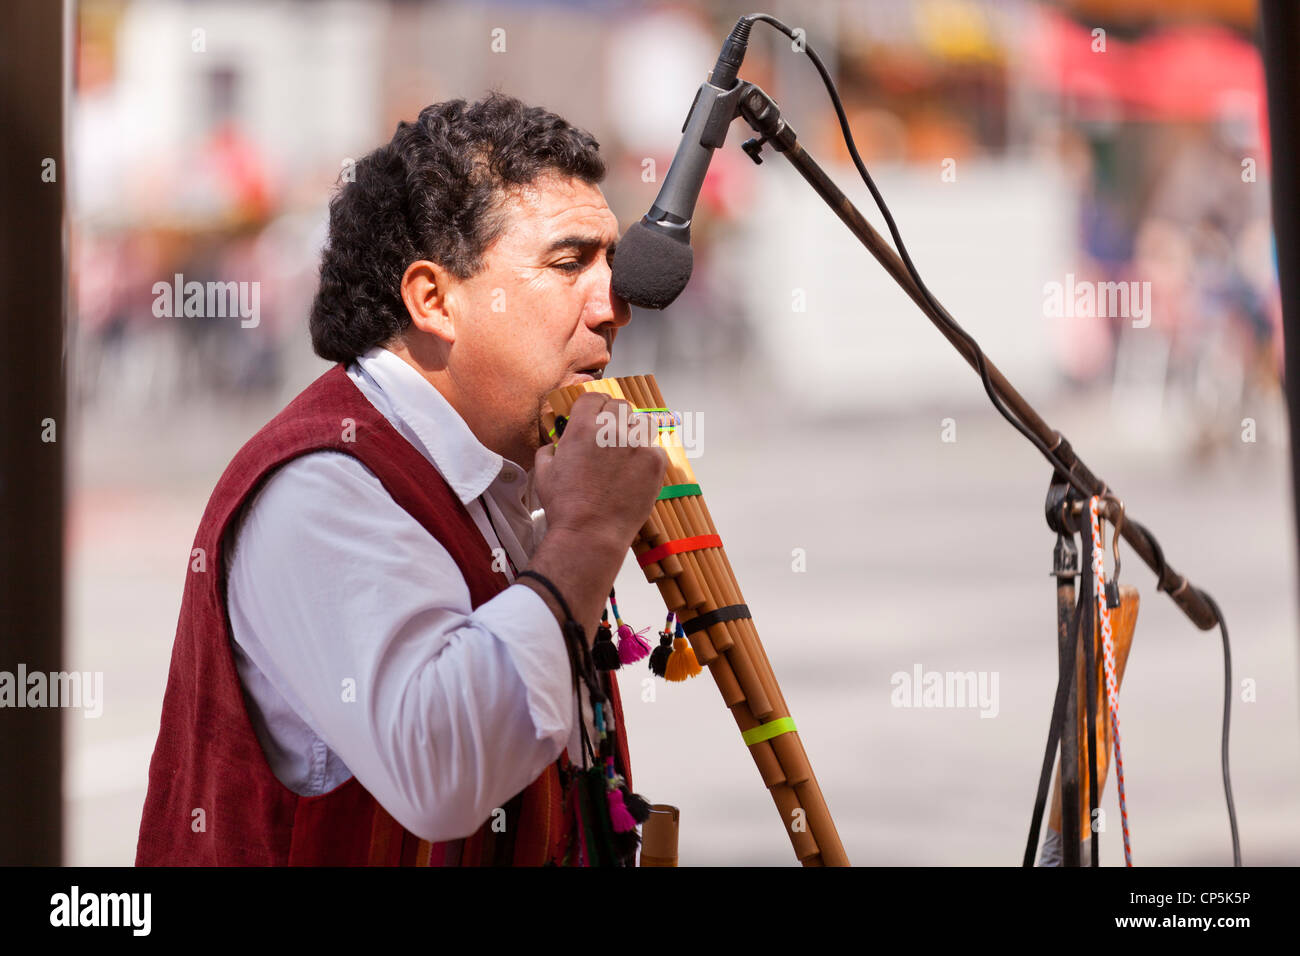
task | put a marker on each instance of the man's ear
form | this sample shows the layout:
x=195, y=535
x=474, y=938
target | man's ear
x=426, y=288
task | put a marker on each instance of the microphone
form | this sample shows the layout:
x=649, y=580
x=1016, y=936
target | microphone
x=654, y=258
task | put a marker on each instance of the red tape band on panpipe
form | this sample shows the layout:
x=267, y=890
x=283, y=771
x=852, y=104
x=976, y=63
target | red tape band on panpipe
x=662, y=551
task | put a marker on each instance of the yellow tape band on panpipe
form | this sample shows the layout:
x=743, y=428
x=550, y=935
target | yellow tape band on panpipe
x=773, y=728
x=659, y=411
x=678, y=491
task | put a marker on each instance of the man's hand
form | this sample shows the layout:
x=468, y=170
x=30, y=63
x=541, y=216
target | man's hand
x=596, y=500
x=603, y=493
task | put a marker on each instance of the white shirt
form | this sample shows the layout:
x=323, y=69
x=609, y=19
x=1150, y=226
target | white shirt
x=335, y=592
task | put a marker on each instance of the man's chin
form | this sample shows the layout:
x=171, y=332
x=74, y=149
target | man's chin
x=543, y=439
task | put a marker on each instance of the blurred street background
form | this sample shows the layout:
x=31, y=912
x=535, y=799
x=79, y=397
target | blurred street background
x=879, y=513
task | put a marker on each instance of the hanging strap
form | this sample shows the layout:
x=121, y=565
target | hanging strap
x=1108, y=656
x=1064, y=686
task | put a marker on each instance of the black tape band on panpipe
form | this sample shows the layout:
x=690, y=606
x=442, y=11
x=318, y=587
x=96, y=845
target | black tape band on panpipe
x=732, y=612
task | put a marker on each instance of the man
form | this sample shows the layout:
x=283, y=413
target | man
x=360, y=674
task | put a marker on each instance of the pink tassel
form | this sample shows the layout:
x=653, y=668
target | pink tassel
x=618, y=813
x=631, y=648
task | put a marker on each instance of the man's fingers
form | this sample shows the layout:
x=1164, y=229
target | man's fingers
x=587, y=413
x=590, y=403
x=542, y=463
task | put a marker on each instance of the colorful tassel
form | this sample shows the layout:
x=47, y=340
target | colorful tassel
x=682, y=664
x=659, y=657
x=604, y=655
x=631, y=647
x=619, y=815
x=637, y=805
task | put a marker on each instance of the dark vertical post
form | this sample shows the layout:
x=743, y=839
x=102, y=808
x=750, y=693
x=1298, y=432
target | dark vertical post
x=33, y=175
x=1280, y=28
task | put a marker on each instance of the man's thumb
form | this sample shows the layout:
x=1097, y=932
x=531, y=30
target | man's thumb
x=542, y=464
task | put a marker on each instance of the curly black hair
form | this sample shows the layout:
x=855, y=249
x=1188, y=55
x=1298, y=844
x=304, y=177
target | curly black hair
x=432, y=192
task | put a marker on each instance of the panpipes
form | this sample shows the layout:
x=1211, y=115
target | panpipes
x=681, y=553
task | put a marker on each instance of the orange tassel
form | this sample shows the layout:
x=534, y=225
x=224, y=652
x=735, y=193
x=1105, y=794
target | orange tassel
x=682, y=663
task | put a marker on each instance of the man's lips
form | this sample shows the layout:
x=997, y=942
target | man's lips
x=594, y=371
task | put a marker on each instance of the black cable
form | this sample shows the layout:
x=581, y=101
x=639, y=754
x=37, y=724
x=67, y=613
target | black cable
x=742, y=28
x=944, y=316
x=1227, y=710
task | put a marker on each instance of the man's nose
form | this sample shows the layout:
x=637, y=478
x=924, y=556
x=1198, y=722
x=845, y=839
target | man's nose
x=606, y=306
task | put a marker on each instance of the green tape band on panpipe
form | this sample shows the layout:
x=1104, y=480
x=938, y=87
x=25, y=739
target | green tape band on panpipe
x=773, y=728
x=678, y=491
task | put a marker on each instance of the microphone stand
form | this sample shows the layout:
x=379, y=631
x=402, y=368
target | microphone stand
x=764, y=116
x=1064, y=503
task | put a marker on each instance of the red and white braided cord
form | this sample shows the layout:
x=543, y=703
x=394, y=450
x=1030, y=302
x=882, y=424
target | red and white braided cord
x=1108, y=655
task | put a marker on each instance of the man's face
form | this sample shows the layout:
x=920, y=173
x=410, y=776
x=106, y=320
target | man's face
x=541, y=313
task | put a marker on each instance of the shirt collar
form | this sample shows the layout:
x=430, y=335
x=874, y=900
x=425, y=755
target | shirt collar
x=434, y=427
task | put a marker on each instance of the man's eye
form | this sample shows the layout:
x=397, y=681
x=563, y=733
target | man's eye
x=570, y=266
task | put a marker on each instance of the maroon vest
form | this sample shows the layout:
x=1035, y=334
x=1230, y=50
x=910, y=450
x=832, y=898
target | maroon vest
x=213, y=798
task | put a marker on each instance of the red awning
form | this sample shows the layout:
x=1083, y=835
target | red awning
x=1193, y=72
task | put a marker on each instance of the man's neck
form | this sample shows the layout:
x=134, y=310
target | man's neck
x=518, y=445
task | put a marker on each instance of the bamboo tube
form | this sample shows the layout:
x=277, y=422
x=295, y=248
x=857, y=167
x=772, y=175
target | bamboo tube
x=717, y=642
x=725, y=678
x=653, y=573
x=690, y=580
x=659, y=836
x=726, y=592
x=819, y=820
x=716, y=590
x=672, y=596
x=721, y=636
x=788, y=747
x=795, y=818
x=742, y=672
x=793, y=759
x=769, y=767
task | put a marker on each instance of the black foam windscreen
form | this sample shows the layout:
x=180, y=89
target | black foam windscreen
x=650, y=268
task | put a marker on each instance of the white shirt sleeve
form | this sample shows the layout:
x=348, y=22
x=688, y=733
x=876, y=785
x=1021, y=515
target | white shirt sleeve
x=361, y=621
